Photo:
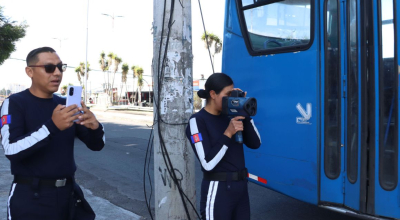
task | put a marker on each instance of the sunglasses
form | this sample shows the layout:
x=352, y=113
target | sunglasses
x=50, y=68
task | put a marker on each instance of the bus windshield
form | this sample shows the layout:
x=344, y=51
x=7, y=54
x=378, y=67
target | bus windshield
x=280, y=24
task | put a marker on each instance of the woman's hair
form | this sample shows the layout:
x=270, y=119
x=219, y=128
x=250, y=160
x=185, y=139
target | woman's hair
x=216, y=82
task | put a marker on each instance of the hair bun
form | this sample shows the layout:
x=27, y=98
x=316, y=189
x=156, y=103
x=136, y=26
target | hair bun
x=202, y=93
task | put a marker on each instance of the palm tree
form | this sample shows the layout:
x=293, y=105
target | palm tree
x=116, y=61
x=110, y=58
x=103, y=62
x=105, y=66
x=80, y=71
x=110, y=87
x=64, y=88
x=133, y=68
x=213, y=40
x=139, y=72
x=125, y=69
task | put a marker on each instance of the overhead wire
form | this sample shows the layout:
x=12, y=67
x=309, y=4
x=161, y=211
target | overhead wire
x=206, y=36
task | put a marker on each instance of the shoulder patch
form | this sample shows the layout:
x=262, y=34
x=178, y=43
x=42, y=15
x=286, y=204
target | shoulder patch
x=6, y=119
x=197, y=138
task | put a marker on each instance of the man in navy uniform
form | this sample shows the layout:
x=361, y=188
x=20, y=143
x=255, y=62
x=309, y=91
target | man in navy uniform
x=37, y=134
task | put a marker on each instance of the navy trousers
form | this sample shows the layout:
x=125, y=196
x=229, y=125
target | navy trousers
x=38, y=203
x=224, y=200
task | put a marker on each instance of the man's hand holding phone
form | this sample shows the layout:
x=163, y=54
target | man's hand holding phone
x=63, y=117
x=87, y=119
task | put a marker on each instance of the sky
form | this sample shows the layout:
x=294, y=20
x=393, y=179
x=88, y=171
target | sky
x=62, y=25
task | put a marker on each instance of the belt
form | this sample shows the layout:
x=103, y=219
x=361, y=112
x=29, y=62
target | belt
x=43, y=182
x=223, y=176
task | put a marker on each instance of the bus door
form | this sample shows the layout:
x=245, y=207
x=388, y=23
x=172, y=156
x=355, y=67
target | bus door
x=382, y=155
x=359, y=153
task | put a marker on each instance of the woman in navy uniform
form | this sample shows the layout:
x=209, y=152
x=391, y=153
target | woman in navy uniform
x=224, y=193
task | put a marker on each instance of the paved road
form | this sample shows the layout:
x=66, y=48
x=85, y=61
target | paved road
x=116, y=174
x=102, y=207
x=113, y=177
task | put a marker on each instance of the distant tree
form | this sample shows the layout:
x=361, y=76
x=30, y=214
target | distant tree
x=104, y=66
x=214, y=42
x=80, y=71
x=10, y=32
x=125, y=69
x=64, y=88
x=116, y=61
x=110, y=86
x=133, y=68
x=139, y=72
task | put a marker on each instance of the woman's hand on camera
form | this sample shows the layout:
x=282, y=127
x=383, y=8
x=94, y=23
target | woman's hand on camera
x=245, y=93
x=234, y=126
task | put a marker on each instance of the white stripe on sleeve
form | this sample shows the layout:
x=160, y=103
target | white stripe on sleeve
x=23, y=144
x=200, y=149
x=255, y=129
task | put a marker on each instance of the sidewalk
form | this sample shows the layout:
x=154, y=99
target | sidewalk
x=103, y=208
x=142, y=116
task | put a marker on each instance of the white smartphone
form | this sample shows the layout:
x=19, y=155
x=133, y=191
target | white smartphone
x=74, y=96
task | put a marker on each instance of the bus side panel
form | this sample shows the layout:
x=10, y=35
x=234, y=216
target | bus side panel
x=285, y=175
x=288, y=156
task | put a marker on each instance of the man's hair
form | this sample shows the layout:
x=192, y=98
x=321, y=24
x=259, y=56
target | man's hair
x=32, y=57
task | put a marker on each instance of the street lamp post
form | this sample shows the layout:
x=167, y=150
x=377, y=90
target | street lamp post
x=112, y=17
x=60, y=39
x=61, y=51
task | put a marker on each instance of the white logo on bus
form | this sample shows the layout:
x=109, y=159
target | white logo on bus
x=306, y=114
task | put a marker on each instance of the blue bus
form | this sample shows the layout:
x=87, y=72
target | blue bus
x=325, y=75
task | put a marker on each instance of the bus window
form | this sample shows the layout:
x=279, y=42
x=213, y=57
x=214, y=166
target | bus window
x=229, y=20
x=332, y=108
x=388, y=116
x=277, y=27
x=352, y=88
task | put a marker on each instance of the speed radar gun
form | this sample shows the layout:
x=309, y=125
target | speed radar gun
x=238, y=105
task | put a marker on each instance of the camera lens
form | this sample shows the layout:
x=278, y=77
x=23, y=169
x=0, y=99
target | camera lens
x=71, y=91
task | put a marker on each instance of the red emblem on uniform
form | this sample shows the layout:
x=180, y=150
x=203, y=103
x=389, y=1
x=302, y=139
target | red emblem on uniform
x=6, y=119
x=196, y=138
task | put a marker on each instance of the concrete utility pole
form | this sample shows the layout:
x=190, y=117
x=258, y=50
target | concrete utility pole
x=173, y=94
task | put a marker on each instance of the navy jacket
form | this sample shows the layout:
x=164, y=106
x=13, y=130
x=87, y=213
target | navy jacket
x=215, y=151
x=33, y=143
